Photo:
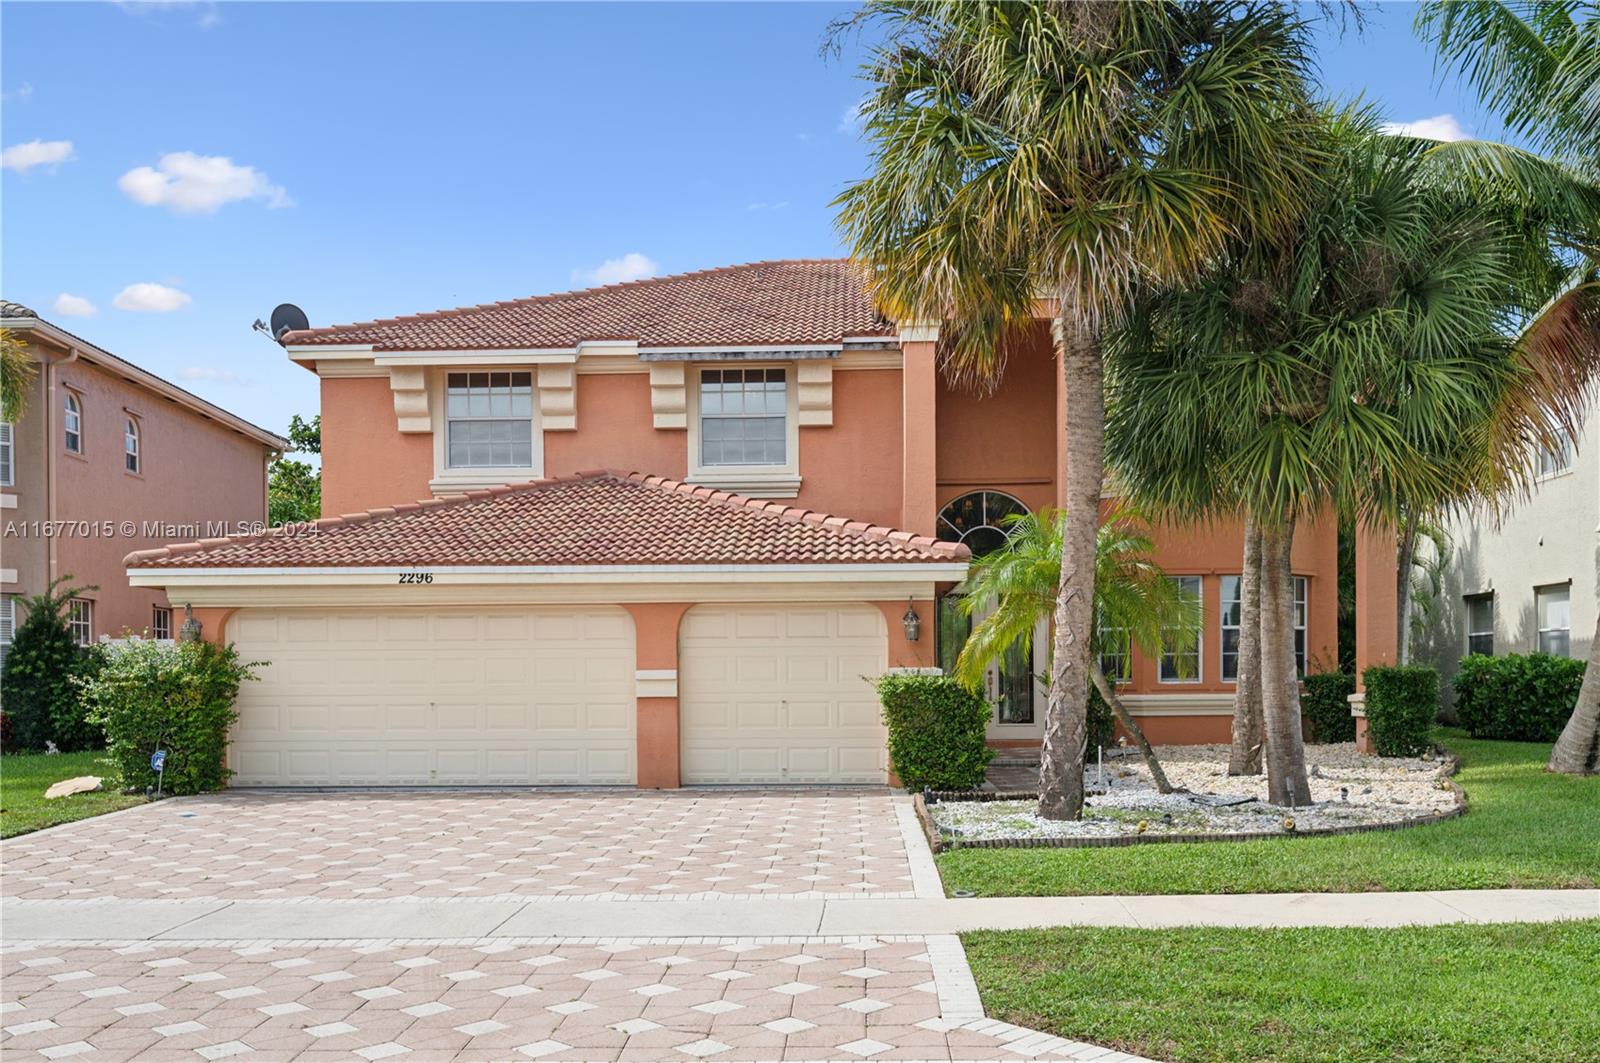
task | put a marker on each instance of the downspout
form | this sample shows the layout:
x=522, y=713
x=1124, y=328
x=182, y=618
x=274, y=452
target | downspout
x=51, y=462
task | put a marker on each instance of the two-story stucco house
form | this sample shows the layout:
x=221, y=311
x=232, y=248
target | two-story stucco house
x=106, y=458
x=793, y=498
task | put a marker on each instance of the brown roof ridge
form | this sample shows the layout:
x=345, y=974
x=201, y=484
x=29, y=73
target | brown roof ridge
x=527, y=300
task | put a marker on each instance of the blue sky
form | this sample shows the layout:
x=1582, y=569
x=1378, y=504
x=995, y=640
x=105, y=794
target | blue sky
x=366, y=160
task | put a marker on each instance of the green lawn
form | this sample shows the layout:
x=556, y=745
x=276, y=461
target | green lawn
x=24, y=777
x=1513, y=991
x=1524, y=828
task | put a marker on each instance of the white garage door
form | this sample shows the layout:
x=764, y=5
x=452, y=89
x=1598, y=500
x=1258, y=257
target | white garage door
x=413, y=697
x=776, y=693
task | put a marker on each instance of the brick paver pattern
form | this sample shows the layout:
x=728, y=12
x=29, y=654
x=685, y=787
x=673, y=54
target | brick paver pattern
x=375, y=846
x=861, y=999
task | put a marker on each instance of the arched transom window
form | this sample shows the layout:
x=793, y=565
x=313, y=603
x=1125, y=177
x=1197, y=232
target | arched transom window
x=976, y=520
x=72, y=423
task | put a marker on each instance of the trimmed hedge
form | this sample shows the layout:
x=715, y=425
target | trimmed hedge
x=1517, y=698
x=1326, y=703
x=151, y=696
x=937, y=731
x=1401, y=705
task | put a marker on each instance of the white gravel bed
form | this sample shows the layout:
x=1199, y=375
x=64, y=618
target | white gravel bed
x=1347, y=789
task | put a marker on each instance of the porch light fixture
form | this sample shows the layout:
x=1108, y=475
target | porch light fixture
x=912, y=622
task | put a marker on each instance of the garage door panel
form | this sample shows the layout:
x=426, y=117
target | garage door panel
x=411, y=698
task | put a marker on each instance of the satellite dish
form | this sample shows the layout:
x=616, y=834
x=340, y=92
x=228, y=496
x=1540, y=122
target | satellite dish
x=288, y=318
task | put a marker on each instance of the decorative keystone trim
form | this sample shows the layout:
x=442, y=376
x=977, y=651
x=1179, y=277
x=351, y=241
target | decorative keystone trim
x=410, y=387
x=558, y=398
x=669, y=395
x=814, y=392
x=656, y=682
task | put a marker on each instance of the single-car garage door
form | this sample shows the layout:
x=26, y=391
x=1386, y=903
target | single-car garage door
x=445, y=696
x=778, y=693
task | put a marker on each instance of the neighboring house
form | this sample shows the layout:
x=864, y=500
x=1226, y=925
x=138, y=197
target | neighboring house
x=1531, y=579
x=616, y=628
x=106, y=458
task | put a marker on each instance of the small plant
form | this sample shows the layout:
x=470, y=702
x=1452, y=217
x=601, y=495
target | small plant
x=1401, y=705
x=176, y=697
x=1519, y=698
x=1326, y=703
x=37, y=684
x=937, y=731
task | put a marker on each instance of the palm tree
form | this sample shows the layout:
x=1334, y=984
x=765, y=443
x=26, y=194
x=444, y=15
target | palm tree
x=1357, y=363
x=16, y=376
x=1135, y=604
x=1068, y=153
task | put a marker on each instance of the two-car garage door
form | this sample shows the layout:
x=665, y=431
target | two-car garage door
x=767, y=694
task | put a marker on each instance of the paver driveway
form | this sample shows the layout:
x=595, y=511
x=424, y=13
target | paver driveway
x=237, y=846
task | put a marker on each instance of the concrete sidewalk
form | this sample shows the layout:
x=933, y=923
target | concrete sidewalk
x=109, y=919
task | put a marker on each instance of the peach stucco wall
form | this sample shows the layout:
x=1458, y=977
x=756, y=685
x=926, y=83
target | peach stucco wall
x=367, y=462
x=615, y=431
x=853, y=467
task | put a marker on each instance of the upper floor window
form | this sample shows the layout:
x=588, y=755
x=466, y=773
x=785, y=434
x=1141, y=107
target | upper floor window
x=1553, y=610
x=1180, y=657
x=72, y=422
x=130, y=445
x=1480, y=623
x=978, y=519
x=489, y=420
x=744, y=417
x=1557, y=459
x=1233, y=609
x=7, y=456
x=80, y=620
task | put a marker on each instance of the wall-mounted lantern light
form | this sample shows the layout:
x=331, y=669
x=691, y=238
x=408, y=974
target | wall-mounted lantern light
x=912, y=622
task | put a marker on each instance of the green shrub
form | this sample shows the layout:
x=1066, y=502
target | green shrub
x=937, y=731
x=1517, y=698
x=151, y=696
x=1326, y=703
x=1401, y=705
x=37, y=685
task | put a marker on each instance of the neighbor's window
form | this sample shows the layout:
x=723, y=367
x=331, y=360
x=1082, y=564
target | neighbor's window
x=161, y=622
x=130, y=445
x=1300, y=611
x=1553, y=461
x=80, y=620
x=8, y=625
x=1180, y=659
x=72, y=422
x=744, y=416
x=490, y=420
x=7, y=471
x=1480, y=623
x=1553, y=608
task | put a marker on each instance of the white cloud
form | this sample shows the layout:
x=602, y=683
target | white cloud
x=1439, y=127
x=854, y=114
x=24, y=157
x=186, y=183
x=210, y=375
x=630, y=267
x=69, y=305
x=782, y=204
x=21, y=94
x=150, y=298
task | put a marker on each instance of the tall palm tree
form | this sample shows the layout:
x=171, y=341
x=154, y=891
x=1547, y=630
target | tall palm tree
x=16, y=376
x=1068, y=153
x=1135, y=604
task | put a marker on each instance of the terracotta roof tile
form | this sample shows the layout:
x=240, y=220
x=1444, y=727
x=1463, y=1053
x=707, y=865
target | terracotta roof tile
x=797, y=301
x=595, y=518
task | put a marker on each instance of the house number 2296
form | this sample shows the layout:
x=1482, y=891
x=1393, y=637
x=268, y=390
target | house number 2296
x=416, y=577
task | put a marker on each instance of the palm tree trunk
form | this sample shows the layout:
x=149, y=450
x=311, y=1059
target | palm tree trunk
x=1280, y=689
x=1124, y=717
x=1576, y=750
x=1245, y=756
x=1066, y=732
x=1407, y=552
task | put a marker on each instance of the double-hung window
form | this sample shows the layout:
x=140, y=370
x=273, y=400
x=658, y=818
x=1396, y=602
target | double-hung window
x=744, y=417
x=1300, y=611
x=7, y=456
x=489, y=420
x=72, y=423
x=8, y=624
x=160, y=622
x=1180, y=657
x=1233, y=611
x=80, y=620
x=1553, y=611
x=130, y=445
x=1480, y=623
x=1116, y=656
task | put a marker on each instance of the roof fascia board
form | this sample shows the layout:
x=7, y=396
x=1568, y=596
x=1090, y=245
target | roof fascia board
x=869, y=572
x=507, y=356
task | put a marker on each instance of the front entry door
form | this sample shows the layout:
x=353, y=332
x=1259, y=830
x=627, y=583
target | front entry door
x=1011, y=685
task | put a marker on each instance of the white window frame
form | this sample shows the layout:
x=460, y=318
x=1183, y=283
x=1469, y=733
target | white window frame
x=1550, y=463
x=8, y=624
x=72, y=421
x=447, y=479
x=132, y=445
x=757, y=481
x=1539, y=594
x=80, y=620
x=157, y=612
x=1473, y=632
x=8, y=455
x=1302, y=613
x=1199, y=642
